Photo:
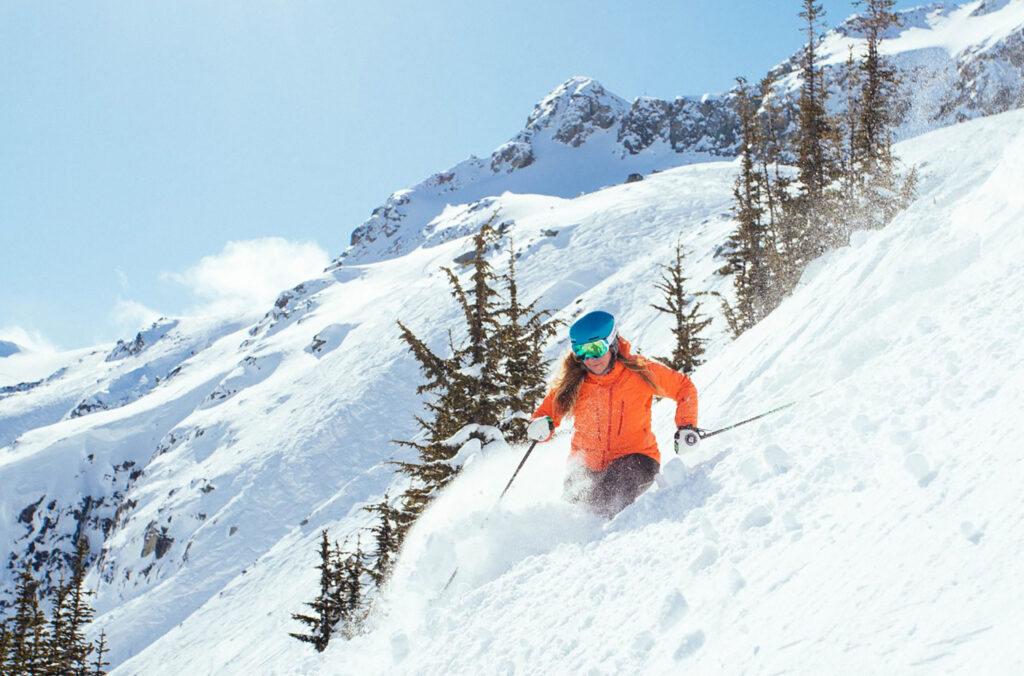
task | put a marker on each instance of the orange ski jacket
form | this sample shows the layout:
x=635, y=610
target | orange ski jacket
x=612, y=417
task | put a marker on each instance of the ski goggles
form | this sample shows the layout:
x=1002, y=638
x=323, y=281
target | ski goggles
x=595, y=349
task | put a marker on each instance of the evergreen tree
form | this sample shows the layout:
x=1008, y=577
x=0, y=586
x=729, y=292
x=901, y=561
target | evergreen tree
x=814, y=210
x=850, y=161
x=386, y=539
x=351, y=571
x=812, y=154
x=60, y=639
x=782, y=235
x=684, y=309
x=325, y=606
x=465, y=387
x=101, y=650
x=522, y=336
x=749, y=184
x=882, y=191
x=880, y=83
x=430, y=474
x=28, y=651
x=749, y=247
x=78, y=613
x=5, y=644
x=479, y=388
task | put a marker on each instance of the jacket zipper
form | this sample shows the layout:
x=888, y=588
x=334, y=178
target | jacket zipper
x=611, y=410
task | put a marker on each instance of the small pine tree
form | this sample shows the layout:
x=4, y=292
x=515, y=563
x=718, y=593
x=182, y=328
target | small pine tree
x=325, y=606
x=812, y=154
x=465, y=387
x=5, y=641
x=850, y=181
x=523, y=369
x=351, y=571
x=386, y=539
x=880, y=82
x=78, y=611
x=882, y=190
x=29, y=639
x=751, y=247
x=478, y=378
x=685, y=310
x=5, y=644
x=60, y=639
x=813, y=211
x=101, y=650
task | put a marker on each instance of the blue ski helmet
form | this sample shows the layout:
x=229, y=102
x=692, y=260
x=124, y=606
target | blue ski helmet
x=593, y=326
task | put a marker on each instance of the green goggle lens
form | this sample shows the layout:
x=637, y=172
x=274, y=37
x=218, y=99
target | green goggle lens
x=595, y=349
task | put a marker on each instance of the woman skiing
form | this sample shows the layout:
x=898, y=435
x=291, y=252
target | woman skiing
x=608, y=392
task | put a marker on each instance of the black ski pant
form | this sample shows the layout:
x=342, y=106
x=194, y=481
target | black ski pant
x=608, y=492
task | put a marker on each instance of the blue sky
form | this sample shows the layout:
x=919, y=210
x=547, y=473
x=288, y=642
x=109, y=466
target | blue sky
x=166, y=157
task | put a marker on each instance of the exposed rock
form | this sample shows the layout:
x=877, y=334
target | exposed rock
x=511, y=156
x=143, y=339
x=20, y=387
x=156, y=541
x=573, y=111
x=29, y=512
x=290, y=306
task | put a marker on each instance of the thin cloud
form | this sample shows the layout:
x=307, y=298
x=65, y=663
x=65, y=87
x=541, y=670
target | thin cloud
x=26, y=339
x=128, y=316
x=248, y=275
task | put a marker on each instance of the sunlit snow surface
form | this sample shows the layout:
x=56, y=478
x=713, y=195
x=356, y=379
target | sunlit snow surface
x=874, y=528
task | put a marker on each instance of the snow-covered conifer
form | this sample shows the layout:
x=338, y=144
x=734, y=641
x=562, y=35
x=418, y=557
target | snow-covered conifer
x=28, y=651
x=685, y=311
x=325, y=606
x=386, y=539
x=523, y=332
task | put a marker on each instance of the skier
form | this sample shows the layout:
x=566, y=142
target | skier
x=608, y=392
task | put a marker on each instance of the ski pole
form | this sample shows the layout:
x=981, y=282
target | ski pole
x=516, y=473
x=704, y=434
x=507, y=486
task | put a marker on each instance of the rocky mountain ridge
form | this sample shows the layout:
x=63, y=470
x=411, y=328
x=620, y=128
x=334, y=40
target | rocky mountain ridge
x=958, y=62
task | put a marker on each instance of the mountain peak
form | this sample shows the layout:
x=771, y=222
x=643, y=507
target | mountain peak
x=7, y=348
x=575, y=109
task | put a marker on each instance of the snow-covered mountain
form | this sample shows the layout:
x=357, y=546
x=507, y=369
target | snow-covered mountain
x=7, y=348
x=958, y=62
x=204, y=456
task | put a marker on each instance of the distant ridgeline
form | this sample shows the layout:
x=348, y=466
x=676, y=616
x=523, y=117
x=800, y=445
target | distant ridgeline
x=8, y=348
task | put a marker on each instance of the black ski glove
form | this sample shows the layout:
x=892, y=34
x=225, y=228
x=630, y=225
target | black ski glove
x=687, y=438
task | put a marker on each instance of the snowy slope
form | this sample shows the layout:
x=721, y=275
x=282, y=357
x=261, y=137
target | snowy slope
x=204, y=456
x=345, y=406
x=874, y=526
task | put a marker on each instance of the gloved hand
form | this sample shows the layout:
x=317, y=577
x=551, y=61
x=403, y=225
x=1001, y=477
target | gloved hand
x=540, y=429
x=686, y=438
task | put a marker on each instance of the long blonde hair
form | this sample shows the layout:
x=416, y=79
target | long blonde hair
x=572, y=373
